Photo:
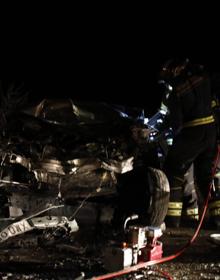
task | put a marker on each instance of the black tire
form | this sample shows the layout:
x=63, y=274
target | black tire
x=145, y=192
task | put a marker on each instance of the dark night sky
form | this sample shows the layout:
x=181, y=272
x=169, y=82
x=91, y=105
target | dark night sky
x=118, y=66
x=120, y=78
x=116, y=57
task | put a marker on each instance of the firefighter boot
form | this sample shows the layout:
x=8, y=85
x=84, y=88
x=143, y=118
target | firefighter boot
x=190, y=216
x=174, y=212
x=173, y=217
x=190, y=213
x=214, y=212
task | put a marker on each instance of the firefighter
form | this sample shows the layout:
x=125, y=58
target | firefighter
x=214, y=204
x=187, y=100
x=165, y=136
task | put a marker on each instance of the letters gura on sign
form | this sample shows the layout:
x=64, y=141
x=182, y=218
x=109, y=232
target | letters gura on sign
x=14, y=229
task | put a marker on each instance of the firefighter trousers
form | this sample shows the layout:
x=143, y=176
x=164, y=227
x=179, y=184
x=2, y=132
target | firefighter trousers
x=195, y=145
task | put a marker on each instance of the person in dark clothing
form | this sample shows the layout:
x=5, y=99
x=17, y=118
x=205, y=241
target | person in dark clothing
x=187, y=100
x=214, y=204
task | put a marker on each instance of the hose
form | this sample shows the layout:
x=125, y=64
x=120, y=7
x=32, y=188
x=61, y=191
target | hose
x=171, y=257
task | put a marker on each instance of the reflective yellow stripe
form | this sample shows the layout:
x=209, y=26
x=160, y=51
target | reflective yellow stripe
x=215, y=212
x=214, y=103
x=174, y=212
x=175, y=205
x=193, y=217
x=214, y=204
x=175, y=209
x=194, y=211
x=199, y=121
x=191, y=214
x=217, y=175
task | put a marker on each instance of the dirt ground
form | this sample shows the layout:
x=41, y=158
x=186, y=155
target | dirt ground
x=84, y=259
x=201, y=260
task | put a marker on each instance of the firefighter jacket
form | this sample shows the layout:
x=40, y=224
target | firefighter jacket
x=189, y=102
x=215, y=82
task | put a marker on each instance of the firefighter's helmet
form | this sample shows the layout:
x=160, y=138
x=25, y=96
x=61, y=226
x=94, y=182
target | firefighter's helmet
x=173, y=68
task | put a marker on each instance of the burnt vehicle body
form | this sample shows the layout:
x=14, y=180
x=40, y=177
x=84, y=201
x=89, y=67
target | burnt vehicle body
x=63, y=153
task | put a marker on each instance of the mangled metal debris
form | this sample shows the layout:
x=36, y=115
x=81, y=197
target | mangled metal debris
x=49, y=154
x=61, y=154
x=38, y=222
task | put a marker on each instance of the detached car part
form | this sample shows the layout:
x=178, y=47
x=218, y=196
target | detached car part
x=72, y=151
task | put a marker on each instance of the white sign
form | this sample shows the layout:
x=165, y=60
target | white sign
x=15, y=229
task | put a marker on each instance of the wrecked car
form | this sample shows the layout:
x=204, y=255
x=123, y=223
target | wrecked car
x=58, y=155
